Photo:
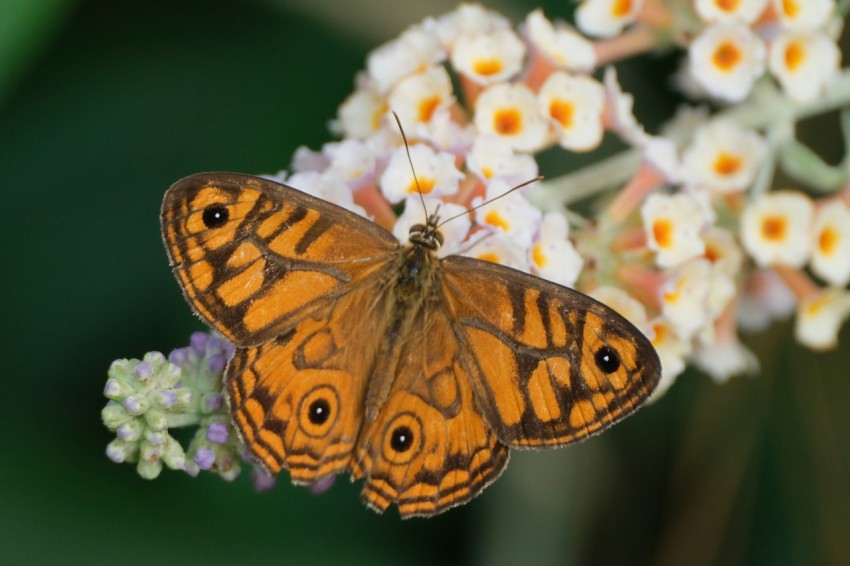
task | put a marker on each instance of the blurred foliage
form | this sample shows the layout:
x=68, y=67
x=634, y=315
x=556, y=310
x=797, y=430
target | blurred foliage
x=104, y=104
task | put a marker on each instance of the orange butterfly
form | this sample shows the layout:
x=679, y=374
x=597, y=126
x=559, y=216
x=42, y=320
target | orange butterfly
x=355, y=352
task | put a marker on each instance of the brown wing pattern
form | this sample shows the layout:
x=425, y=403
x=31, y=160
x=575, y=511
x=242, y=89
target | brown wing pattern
x=253, y=256
x=428, y=449
x=548, y=365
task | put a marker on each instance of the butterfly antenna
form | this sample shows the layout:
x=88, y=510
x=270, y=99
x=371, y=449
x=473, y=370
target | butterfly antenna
x=410, y=160
x=506, y=193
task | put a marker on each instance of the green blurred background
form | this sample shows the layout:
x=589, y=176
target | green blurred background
x=103, y=104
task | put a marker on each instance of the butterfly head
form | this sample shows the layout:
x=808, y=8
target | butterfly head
x=427, y=235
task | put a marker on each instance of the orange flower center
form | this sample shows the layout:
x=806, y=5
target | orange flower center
x=727, y=5
x=794, y=56
x=727, y=56
x=427, y=107
x=489, y=256
x=828, y=240
x=621, y=8
x=660, y=333
x=726, y=164
x=562, y=111
x=507, y=122
x=662, y=231
x=711, y=254
x=487, y=172
x=791, y=8
x=493, y=218
x=774, y=228
x=487, y=67
x=539, y=257
x=425, y=185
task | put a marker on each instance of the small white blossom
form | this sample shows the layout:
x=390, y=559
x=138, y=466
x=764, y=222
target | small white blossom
x=574, y=106
x=819, y=318
x=492, y=157
x=466, y=19
x=725, y=358
x=624, y=304
x=725, y=11
x=775, y=228
x=672, y=350
x=765, y=298
x=831, y=243
x=489, y=58
x=352, y=160
x=497, y=247
x=684, y=297
x=433, y=173
x=804, y=14
x=606, y=18
x=553, y=256
x=510, y=111
x=560, y=44
x=673, y=224
x=726, y=59
x=512, y=213
x=804, y=63
x=361, y=113
x=723, y=157
x=416, y=98
x=415, y=49
x=723, y=251
x=327, y=186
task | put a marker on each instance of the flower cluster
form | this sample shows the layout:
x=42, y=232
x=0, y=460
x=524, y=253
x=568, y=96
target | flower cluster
x=686, y=236
x=149, y=398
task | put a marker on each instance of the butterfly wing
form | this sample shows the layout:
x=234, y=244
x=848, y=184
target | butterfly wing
x=254, y=257
x=292, y=280
x=429, y=448
x=548, y=365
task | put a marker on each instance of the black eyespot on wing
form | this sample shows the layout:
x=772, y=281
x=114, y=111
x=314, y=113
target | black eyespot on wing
x=215, y=215
x=402, y=439
x=607, y=359
x=319, y=411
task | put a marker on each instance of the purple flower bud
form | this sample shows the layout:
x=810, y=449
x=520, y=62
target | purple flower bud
x=143, y=371
x=261, y=480
x=217, y=432
x=198, y=342
x=322, y=484
x=167, y=398
x=216, y=363
x=204, y=458
x=178, y=356
x=212, y=402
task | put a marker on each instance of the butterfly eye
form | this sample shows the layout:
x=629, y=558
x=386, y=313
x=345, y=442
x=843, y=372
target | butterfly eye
x=607, y=359
x=215, y=215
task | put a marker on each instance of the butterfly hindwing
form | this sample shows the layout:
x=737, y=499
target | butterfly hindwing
x=548, y=365
x=254, y=256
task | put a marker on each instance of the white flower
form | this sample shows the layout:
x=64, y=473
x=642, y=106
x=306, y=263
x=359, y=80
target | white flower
x=804, y=63
x=510, y=112
x=724, y=358
x=454, y=232
x=489, y=58
x=326, y=186
x=723, y=251
x=820, y=316
x=606, y=18
x=804, y=14
x=723, y=157
x=765, y=298
x=672, y=350
x=351, y=159
x=416, y=98
x=360, y=115
x=775, y=228
x=831, y=243
x=492, y=157
x=466, y=19
x=511, y=213
x=415, y=49
x=619, y=300
x=553, y=256
x=726, y=59
x=561, y=45
x=724, y=11
x=684, y=297
x=433, y=173
x=574, y=106
x=498, y=247
x=673, y=224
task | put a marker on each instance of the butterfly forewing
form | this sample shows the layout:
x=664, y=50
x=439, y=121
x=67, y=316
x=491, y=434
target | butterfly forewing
x=548, y=365
x=254, y=256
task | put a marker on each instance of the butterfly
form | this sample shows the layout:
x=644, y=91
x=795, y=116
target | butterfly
x=355, y=352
